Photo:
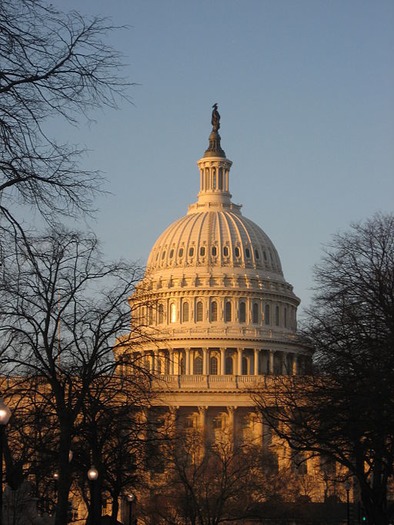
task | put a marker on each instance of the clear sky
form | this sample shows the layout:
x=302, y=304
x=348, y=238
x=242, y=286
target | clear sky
x=306, y=95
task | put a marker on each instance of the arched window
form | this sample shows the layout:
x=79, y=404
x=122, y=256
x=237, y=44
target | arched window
x=228, y=312
x=197, y=365
x=213, y=366
x=277, y=315
x=185, y=312
x=229, y=370
x=267, y=314
x=214, y=311
x=199, y=312
x=255, y=313
x=173, y=313
x=242, y=312
x=214, y=178
x=161, y=314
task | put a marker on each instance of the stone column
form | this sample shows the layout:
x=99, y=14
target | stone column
x=222, y=361
x=239, y=364
x=231, y=424
x=204, y=361
x=203, y=425
x=271, y=361
x=256, y=362
x=187, y=359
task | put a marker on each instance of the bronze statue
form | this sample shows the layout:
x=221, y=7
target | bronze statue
x=215, y=121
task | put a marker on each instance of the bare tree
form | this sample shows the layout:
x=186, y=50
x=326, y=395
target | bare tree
x=206, y=484
x=346, y=411
x=52, y=65
x=63, y=308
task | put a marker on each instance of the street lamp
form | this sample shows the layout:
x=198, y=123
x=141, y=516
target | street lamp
x=347, y=488
x=93, y=475
x=5, y=414
x=130, y=498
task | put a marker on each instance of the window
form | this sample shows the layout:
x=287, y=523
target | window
x=285, y=317
x=247, y=253
x=202, y=251
x=161, y=314
x=244, y=366
x=180, y=253
x=214, y=251
x=225, y=251
x=197, y=365
x=199, y=311
x=191, y=251
x=163, y=254
x=182, y=367
x=236, y=251
x=171, y=254
x=217, y=422
x=242, y=312
x=229, y=366
x=256, y=254
x=267, y=314
x=228, y=316
x=173, y=313
x=255, y=314
x=185, y=312
x=277, y=315
x=213, y=366
x=214, y=311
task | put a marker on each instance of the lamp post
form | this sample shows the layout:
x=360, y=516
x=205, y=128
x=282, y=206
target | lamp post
x=5, y=414
x=347, y=488
x=130, y=498
x=92, y=476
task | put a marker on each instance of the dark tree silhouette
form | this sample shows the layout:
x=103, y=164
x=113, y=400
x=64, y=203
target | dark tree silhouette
x=345, y=412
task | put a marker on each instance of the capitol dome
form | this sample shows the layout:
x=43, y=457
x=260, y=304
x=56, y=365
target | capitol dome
x=214, y=300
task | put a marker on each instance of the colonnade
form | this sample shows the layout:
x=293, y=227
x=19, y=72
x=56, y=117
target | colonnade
x=223, y=361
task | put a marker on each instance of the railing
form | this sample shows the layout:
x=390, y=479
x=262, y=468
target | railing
x=212, y=382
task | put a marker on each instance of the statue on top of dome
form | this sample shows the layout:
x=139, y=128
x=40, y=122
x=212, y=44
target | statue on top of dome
x=215, y=120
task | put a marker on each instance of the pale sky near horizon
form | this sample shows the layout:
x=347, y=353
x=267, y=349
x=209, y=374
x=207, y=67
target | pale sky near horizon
x=306, y=95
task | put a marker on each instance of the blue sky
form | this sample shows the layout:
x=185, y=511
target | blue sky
x=306, y=95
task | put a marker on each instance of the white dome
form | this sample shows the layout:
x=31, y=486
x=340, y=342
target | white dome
x=221, y=239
